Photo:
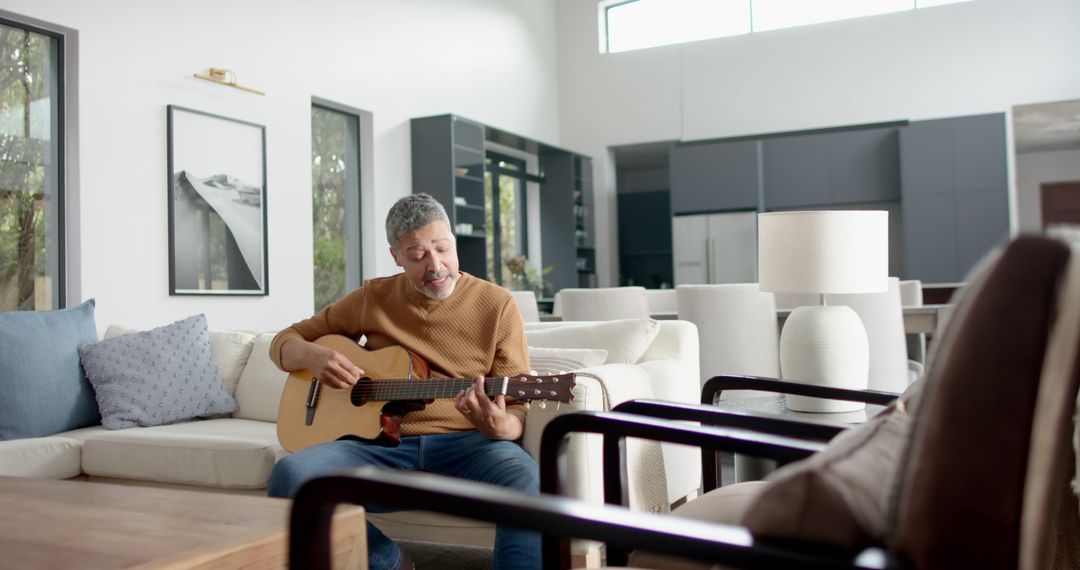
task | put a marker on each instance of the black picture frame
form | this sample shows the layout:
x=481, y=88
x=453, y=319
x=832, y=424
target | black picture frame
x=217, y=205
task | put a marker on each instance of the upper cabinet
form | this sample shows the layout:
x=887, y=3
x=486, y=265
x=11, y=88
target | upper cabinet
x=954, y=188
x=710, y=177
x=945, y=182
x=841, y=167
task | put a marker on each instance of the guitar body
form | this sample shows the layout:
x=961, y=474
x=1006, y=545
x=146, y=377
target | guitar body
x=337, y=413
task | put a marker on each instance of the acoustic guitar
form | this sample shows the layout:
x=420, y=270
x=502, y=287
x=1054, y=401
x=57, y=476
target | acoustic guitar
x=311, y=413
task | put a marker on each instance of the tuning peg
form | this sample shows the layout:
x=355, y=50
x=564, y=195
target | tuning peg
x=528, y=405
x=542, y=404
x=557, y=406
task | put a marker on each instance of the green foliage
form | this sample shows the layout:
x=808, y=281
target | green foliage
x=328, y=205
x=24, y=80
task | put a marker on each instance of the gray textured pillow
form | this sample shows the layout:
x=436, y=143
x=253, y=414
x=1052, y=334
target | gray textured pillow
x=156, y=377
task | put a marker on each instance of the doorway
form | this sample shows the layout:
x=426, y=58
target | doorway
x=1060, y=203
x=505, y=212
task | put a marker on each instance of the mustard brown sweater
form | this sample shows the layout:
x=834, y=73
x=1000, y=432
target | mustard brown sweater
x=475, y=331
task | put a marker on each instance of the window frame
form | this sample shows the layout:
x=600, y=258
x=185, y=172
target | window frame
x=68, y=288
x=358, y=204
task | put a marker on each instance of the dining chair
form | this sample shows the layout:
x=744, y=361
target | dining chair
x=526, y=303
x=883, y=316
x=603, y=303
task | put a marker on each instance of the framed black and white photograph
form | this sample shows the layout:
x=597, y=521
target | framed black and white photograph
x=217, y=205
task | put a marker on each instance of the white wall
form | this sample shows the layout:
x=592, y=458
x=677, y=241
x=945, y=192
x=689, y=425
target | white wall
x=1032, y=170
x=977, y=57
x=398, y=59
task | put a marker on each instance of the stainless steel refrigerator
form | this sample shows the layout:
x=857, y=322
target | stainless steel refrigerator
x=715, y=248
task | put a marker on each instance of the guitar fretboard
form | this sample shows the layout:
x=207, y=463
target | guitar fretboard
x=414, y=389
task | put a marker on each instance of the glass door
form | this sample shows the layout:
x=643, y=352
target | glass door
x=504, y=213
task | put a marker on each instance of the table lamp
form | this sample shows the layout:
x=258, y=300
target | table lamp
x=824, y=252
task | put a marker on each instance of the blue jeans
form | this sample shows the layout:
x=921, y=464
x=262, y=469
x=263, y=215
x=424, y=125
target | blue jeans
x=466, y=455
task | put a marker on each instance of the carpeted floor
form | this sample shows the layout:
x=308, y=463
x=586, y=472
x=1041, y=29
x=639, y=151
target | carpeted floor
x=433, y=556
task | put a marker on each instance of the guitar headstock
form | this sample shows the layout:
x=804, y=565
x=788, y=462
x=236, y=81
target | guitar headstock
x=553, y=387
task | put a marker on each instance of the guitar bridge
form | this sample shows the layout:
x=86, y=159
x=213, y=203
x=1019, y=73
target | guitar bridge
x=312, y=399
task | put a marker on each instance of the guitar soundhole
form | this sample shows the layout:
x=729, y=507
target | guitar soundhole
x=361, y=392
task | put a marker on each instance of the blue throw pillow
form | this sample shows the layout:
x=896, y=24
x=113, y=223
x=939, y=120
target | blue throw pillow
x=42, y=386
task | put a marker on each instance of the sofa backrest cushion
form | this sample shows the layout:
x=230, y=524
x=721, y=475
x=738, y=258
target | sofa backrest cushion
x=155, y=377
x=557, y=360
x=230, y=349
x=625, y=340
x=42, y=387
x=259, y=391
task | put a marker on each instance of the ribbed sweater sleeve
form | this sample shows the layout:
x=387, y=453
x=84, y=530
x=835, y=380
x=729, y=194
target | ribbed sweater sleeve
x=477, y=331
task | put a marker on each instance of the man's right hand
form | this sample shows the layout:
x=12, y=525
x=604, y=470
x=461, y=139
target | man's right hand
x=331, y=367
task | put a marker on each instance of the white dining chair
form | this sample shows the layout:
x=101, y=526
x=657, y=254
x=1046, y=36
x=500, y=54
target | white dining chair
x=603, y=303
x=526, y=302
x=738, y=334
x=911, y=296
x=883, y=316
x=661, y=301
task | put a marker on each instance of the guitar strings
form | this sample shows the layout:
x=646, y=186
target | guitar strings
x=421, y=388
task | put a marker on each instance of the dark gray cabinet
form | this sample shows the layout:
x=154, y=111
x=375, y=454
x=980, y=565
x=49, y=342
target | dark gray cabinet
x=448, y=161
x=566, y=206
x=954, y=187
x=710, y=177
x=645, y=254
x=822, y=169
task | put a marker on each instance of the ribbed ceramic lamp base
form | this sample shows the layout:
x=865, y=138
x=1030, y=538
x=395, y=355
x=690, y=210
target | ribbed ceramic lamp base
x=826, y=346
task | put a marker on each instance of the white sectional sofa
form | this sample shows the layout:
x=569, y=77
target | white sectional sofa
x=236, y=454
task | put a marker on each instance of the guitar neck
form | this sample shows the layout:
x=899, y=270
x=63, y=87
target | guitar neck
x=413, y=389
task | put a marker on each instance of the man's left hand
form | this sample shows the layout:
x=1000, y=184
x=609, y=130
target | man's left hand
x=487, y=414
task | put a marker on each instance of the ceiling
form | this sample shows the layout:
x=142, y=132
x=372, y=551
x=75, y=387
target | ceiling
x=1047, y=126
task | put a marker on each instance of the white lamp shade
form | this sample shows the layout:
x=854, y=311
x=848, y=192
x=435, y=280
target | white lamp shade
x=837, y=251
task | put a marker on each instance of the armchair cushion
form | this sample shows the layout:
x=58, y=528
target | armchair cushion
x=624, y=340
x=964, y=431
x=842, y=495
x=723, y=505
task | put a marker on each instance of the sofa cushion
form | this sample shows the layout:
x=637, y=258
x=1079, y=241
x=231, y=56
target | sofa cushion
x=230, y=350
x=156, y=377
x=226, y=452
x=43, y=390
x=625, y=340
x=42, y=457
x=556, y=360
x=259, y=391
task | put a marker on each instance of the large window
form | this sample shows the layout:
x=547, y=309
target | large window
x=635, y=24
x=335, y=200
x=31, y=168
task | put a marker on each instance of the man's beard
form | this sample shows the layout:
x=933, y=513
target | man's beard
x=444, y=292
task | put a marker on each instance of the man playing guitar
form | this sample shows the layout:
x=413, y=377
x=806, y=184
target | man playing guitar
x=462, y=326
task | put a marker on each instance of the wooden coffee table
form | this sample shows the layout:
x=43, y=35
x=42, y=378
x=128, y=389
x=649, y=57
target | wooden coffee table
x=78, y=524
